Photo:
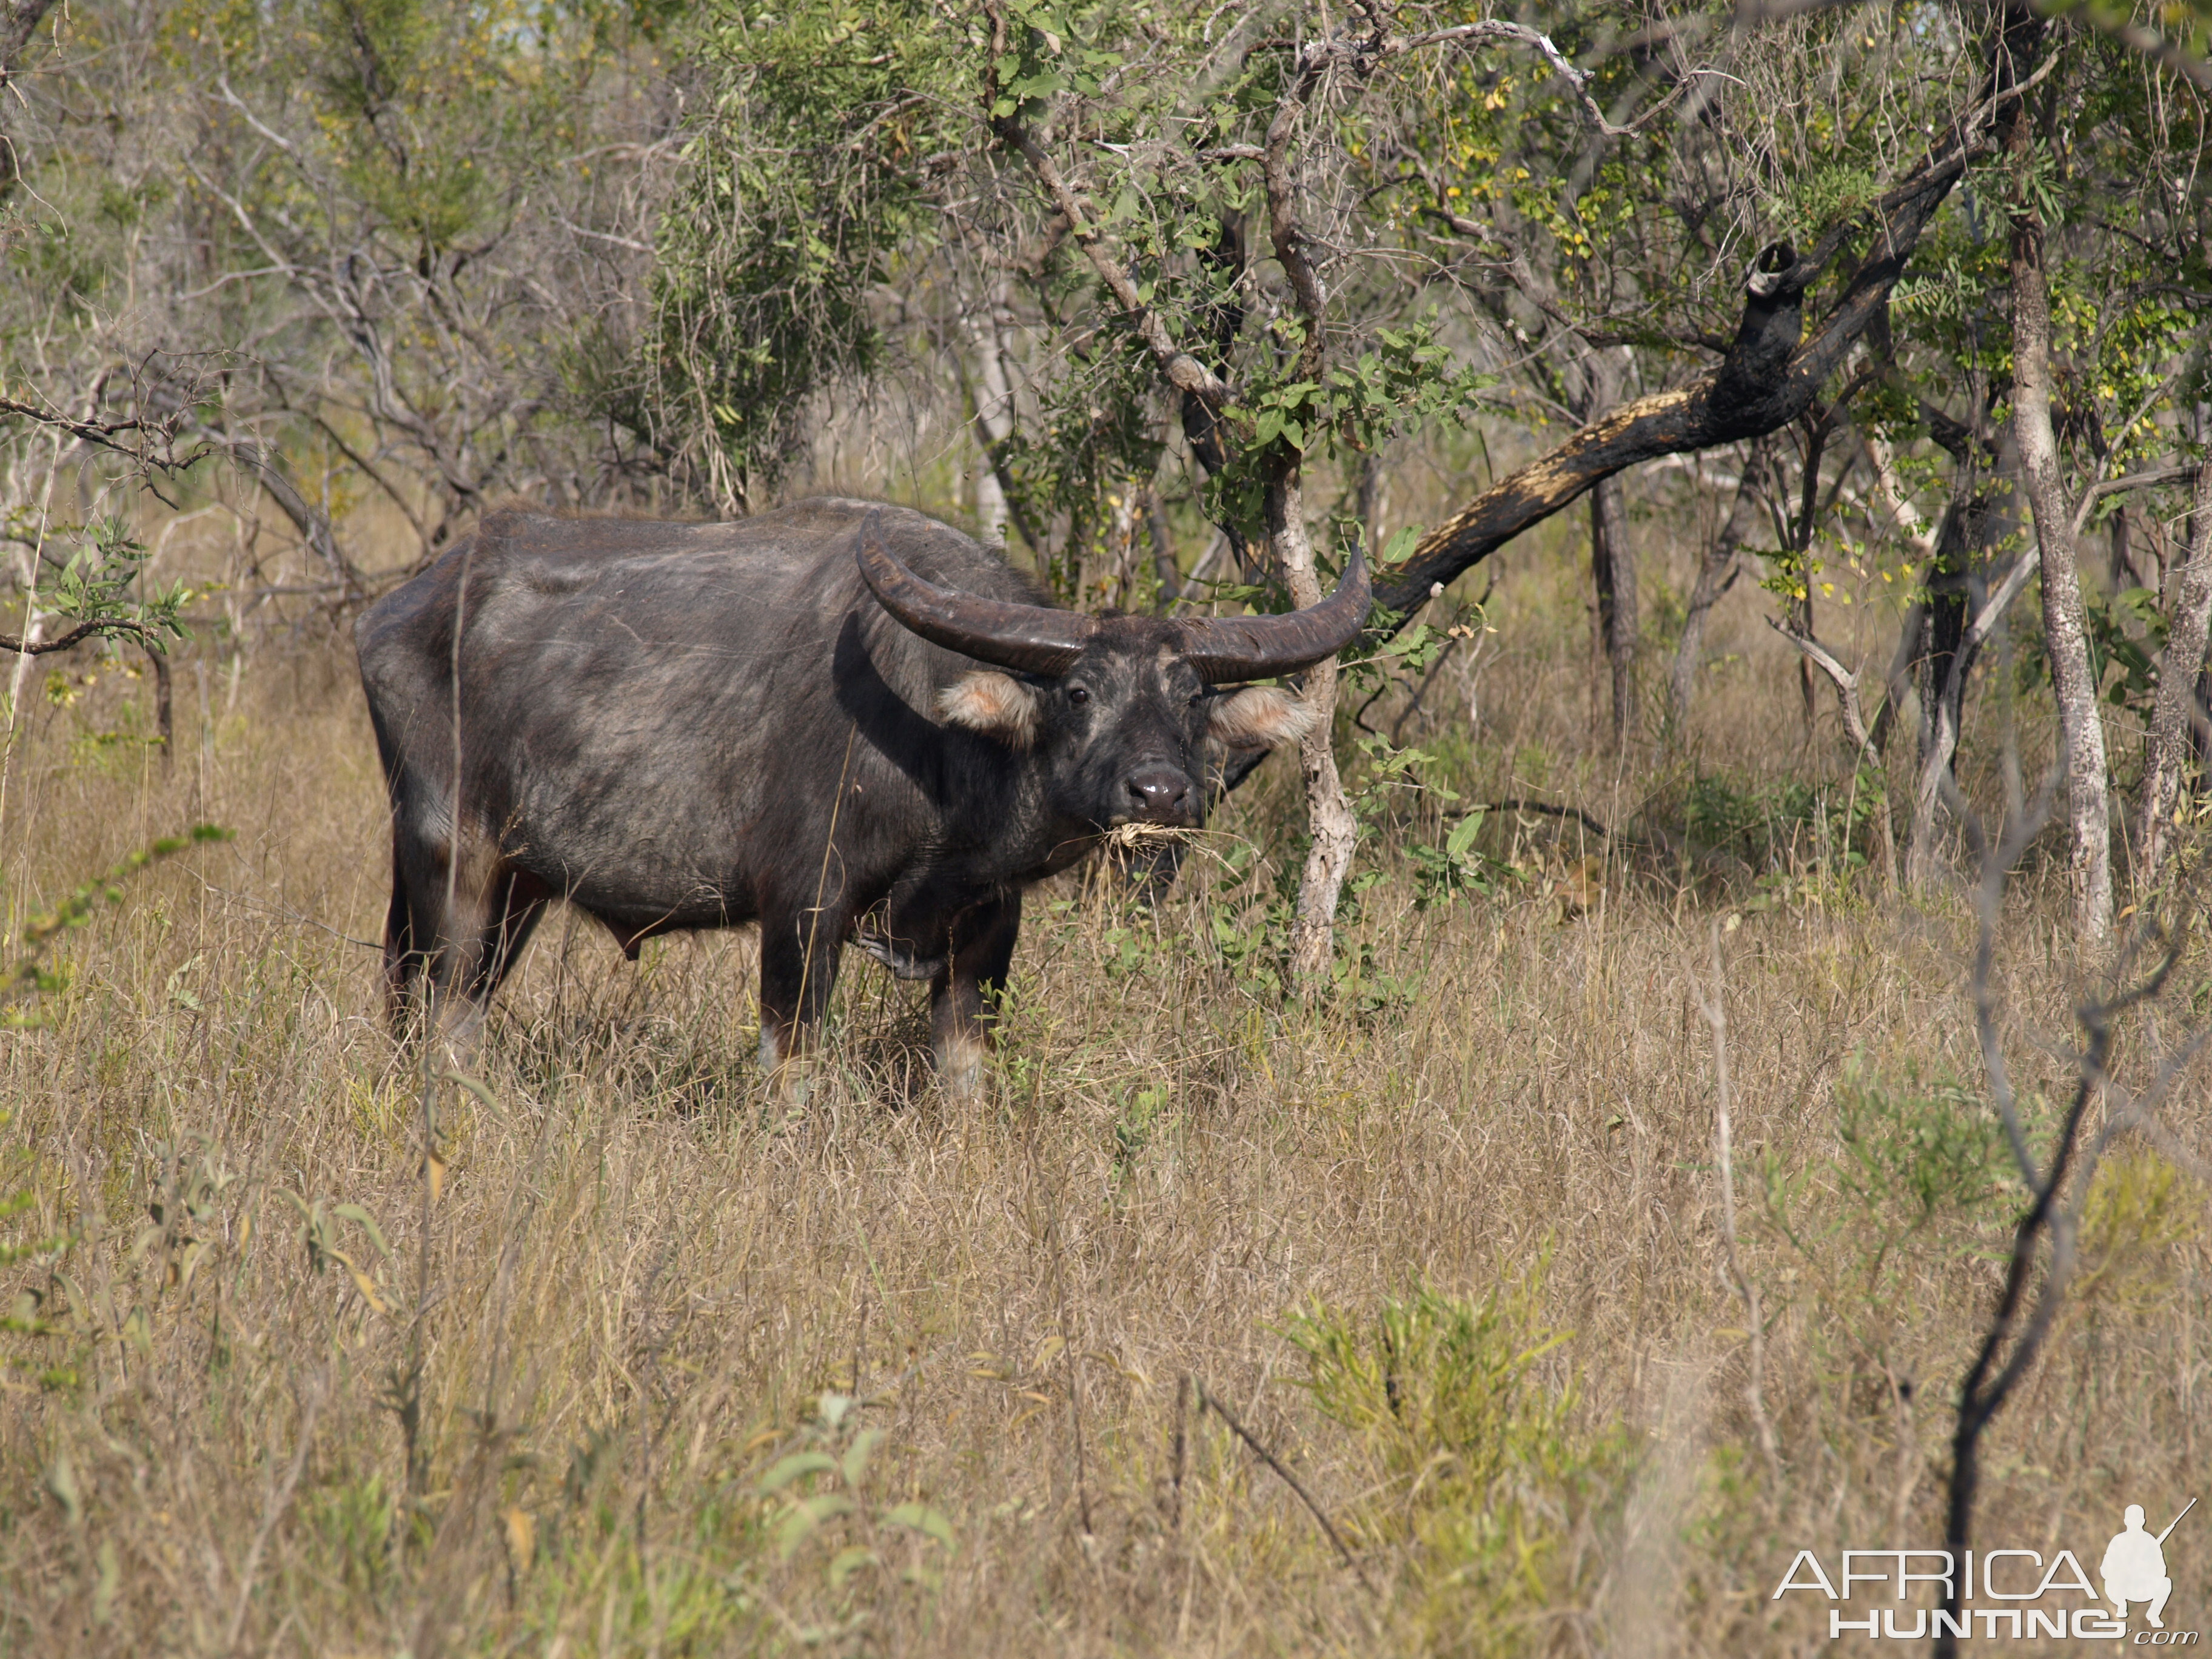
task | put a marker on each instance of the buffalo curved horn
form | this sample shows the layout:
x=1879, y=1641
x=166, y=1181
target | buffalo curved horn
x=1033, y=639
x=1227, y=648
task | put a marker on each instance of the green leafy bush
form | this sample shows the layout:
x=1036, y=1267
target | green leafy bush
x=1484, y=1468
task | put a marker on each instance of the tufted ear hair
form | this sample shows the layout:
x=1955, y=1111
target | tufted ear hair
x=997, y=705
x=1262, y=717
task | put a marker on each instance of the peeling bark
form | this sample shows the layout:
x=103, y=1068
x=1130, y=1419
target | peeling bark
x=994, y=424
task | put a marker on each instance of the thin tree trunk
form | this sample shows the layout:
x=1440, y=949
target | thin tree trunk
x=1613, y=565
x=994, y=424
x=2065, y=630
x=1942, y=660
x=1801, y=536
x=1939, y=736
x=165, y=719
x=1912, y=636
x=312, y=523
x=2124, y=558
x=2167, y=752
x=1716, y=574
x=1329, y=814
x=1939, y=742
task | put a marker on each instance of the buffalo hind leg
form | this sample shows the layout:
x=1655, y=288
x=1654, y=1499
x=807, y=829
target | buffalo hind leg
x=491, y=919
x=797, y=970
x=963, y=996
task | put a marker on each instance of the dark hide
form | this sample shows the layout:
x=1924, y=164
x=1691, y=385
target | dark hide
x=679, y=725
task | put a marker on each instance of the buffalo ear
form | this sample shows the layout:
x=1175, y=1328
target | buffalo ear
x=1262, y=717
x=997, y=705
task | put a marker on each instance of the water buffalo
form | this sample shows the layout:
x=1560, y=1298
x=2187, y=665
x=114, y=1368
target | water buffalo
x=843, y=720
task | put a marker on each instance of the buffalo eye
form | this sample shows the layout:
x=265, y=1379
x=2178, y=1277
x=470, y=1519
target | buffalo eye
x=1079, y=694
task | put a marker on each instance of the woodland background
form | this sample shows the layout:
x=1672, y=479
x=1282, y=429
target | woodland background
x=1695, y=1064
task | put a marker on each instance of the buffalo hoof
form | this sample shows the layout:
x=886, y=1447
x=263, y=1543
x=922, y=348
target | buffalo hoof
x=790, y=1077
x=960, y=1067
x=895, y=955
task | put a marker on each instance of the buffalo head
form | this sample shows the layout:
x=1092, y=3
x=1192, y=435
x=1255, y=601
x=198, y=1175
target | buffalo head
x=1119, y=710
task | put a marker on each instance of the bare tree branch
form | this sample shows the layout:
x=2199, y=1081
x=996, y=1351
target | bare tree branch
x=2156, y=475
x=104, y=627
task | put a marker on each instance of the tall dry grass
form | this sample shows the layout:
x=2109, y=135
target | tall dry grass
x=638, y=1363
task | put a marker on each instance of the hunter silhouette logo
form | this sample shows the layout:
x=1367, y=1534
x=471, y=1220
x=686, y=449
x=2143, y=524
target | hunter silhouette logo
x=2000, y=1594
x=2134, y=1568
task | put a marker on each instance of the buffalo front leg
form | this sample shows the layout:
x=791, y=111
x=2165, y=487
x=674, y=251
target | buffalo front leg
x=797, y=971
x=453, y=930
x=963, y=995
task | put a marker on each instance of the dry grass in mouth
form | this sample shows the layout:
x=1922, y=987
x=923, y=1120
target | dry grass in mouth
x=1132, y=835
x=657, y=1371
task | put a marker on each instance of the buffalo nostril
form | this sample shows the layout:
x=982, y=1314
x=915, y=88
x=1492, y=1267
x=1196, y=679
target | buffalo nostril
x=1159, y=790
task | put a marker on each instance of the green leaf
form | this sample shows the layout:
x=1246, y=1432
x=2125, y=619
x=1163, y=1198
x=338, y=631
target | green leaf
x=849, y=1561
x=61, y=1480
x=354, y=1212
x=463, y=1080
x=786, y=1470
x=1401, y=546
x=857, y=1454
x=805, y=1519
x=920, y=1517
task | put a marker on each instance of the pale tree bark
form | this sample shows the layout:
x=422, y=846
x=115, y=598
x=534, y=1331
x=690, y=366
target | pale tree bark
x=2167, y=751
x=1329, y=822
x=2065, y=628
x=994, y=420
x=1332, y=827
x=1920, y=536
x=1717, y=570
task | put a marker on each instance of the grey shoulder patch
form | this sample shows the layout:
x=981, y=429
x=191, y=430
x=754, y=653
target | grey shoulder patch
x=555, y=581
